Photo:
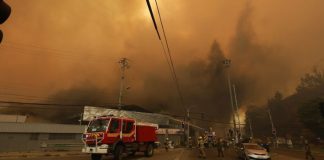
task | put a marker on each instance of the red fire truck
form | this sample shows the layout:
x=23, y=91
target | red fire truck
x=118, y=135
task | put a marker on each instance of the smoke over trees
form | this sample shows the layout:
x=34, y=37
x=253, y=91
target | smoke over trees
x=61, y=45
x=296, y=115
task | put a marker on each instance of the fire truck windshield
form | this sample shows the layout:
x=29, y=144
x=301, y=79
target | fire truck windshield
x=98, y=125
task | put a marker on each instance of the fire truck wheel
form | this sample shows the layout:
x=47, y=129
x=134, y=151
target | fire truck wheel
x=96, y=156
x=118, y=153
x=149, y=150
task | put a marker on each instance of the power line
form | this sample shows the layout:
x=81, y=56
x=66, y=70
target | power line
x=51, y=104
x=52, y=50
x=168, y=53
x=165, y=38
x=158, y=33
x=40, y=104
x=41, y=98
x=25, y=88
x=153, y=19
x=215, y=122
x=61, y=55
x=69, y=109
x=17, y=97
x=200, y=119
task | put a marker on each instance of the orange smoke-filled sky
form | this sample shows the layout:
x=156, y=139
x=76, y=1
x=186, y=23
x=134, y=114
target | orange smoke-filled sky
x=50, y=45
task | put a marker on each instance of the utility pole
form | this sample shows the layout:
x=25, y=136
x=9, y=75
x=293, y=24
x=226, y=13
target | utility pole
x=227, y=64
x=274, y=131
x=188, y=127
x=123, y=66
x=81, y=118
x=237, y=109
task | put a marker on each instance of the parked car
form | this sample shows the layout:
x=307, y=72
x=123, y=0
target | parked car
x=251, y=151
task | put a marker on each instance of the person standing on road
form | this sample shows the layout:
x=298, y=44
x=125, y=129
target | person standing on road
x=190, y=142
x=220, y=148
x=308, y=151
x=201, y=147
x=166, y=144
x=225, y=145
x=289, y=143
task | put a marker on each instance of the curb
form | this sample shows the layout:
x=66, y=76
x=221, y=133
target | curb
x=37, y=154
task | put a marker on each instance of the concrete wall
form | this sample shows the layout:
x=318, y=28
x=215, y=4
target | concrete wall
x=16, y=142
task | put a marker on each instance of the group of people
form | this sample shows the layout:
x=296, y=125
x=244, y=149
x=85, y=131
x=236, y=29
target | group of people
x=306, y=146
x=201, y=146
x=221, y=146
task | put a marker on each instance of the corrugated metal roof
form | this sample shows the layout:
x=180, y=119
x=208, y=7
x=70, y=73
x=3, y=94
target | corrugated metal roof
x=40, y=128
x=90, y=112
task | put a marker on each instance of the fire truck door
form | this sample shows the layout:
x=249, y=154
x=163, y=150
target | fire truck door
x=114, y=130
x=128, y=131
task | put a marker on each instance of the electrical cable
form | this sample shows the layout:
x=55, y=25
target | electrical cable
x=169, y=59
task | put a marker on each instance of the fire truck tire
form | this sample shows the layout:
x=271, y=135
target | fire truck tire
x=149, y=150
x=96, y=156
x=118, y=152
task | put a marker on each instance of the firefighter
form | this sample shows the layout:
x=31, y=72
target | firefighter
x=201, y=147
x=166, y=144
x=220, y=148
x=308, y=152
x=205, y=140
x=225, y=145
x=190, y=142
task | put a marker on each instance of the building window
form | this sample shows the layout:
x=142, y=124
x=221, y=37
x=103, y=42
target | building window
x=61, y=136
x=34, y=136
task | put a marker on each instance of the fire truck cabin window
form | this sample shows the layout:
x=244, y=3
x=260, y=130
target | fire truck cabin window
x=128, y=126
x=98, y=125
x=114, y=126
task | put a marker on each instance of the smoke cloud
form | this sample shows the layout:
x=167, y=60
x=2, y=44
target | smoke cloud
x=54, y=49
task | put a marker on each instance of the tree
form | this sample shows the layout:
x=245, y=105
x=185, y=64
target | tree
x=310, y=115
x=311, y=80
x=275, y=103
x=278, y=113
x=260, y=121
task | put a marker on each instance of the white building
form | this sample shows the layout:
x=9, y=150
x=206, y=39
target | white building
x=15, y=137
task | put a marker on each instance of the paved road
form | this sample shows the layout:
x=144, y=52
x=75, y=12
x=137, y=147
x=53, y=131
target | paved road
x=177, y=154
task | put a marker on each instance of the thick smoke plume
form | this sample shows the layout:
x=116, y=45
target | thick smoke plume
x=67, y=52
x=257, y=68
x=203, y=82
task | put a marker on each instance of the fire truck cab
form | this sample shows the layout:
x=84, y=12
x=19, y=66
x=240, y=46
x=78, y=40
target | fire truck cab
x=117, y=135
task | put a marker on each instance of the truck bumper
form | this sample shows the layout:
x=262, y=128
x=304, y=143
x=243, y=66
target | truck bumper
x=96, y=150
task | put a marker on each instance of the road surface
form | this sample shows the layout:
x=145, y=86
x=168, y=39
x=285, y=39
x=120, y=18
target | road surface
x=177, y=154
